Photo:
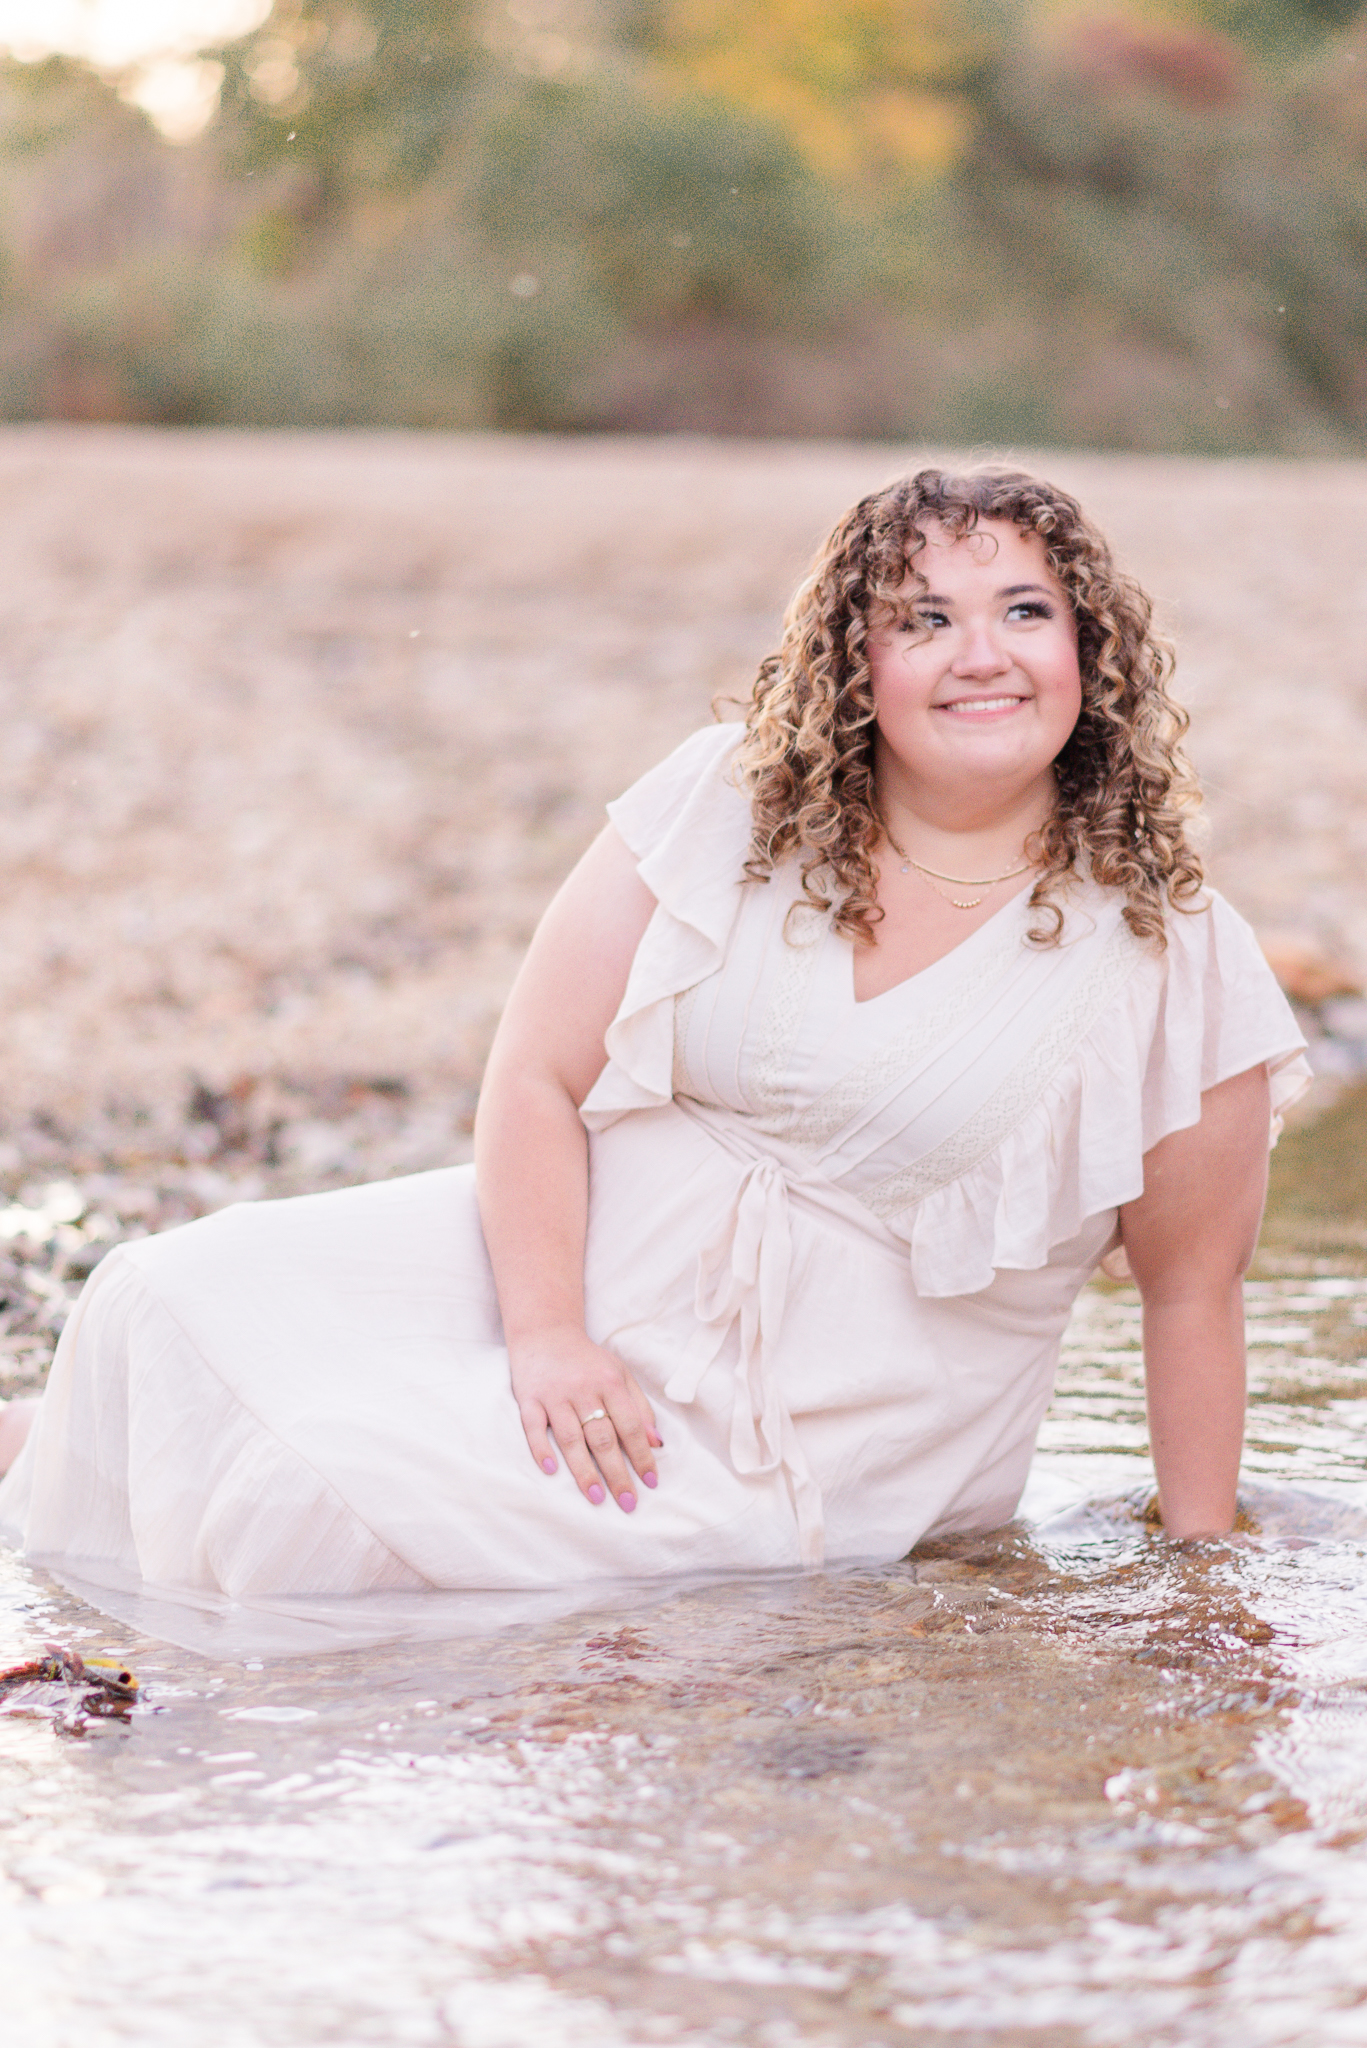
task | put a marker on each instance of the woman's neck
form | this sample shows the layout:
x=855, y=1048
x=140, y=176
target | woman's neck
x=970, y=837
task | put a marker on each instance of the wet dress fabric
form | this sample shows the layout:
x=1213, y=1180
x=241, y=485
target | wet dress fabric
x=836, y=1241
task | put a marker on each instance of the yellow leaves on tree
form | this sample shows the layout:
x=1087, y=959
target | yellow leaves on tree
x=861, y=87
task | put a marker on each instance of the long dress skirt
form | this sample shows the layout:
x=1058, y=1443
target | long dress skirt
x=312, y=1395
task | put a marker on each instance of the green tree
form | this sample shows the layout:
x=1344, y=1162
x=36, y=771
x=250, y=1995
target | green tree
x=1144, y=183
x=368, y=97
x=531, y=203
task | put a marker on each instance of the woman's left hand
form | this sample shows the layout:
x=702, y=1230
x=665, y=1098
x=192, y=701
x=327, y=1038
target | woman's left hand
x=574, y=1389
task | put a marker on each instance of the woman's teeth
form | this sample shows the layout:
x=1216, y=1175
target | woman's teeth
x=970, y=706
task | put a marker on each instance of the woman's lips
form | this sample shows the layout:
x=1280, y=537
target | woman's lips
x=981, y=707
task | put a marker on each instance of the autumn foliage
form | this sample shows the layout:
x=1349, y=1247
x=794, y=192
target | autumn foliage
x=952, y=220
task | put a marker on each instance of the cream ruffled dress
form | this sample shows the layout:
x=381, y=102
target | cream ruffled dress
x=836, y=1241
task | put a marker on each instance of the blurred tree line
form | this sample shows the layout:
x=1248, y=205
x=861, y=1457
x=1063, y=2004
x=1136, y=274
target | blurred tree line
x=961, y=220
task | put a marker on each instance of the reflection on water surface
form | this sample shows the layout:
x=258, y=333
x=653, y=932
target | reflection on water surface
x=1061, y=1784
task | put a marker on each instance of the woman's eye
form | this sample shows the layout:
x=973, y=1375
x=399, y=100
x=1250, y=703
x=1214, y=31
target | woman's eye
x=923, y=622
x=1031, y=608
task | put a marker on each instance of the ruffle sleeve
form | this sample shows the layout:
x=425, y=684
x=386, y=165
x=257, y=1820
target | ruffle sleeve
x=689, y=828
x=1202, y=1011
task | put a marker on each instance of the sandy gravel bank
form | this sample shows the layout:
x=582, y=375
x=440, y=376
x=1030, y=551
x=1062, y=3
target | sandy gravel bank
x=301, y=732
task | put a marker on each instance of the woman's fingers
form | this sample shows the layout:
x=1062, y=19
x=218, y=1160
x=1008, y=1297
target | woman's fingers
x=571, y=1436
x=634, y=1432
x=647, y=1413
x=597, y=1450
x=601, y=1423
x=536, y=1429
x=634, y=1436
x=602, y=1439
x=618, y=1442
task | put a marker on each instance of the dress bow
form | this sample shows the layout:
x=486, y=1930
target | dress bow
x=743, y=1277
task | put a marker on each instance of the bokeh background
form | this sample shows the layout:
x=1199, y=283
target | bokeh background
x=1116, y=226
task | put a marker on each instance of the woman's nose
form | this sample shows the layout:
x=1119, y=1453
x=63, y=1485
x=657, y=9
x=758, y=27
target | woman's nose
x=980, y=653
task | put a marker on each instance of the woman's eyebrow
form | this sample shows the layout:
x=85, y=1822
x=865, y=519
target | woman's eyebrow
x=930, y=597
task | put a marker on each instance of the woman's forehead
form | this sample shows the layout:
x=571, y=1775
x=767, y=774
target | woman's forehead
x=983, y=540
x=987, y=544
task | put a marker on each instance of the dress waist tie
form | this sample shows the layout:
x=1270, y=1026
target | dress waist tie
x=743, y=1276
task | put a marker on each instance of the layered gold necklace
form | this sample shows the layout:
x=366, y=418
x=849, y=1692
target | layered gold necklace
x=956, y=881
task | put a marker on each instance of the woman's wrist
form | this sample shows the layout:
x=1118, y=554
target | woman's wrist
x=544, y=1334
x=1192, y=1522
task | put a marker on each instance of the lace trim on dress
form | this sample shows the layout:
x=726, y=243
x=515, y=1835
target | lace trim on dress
x=1017, y=1095
x=771, y=1067
x=823, y=1119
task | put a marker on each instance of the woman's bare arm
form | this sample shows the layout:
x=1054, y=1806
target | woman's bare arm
x=531, y=1163
x=1189, y=1239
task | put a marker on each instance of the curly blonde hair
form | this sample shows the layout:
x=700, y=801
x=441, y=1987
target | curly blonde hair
x=1125, y=791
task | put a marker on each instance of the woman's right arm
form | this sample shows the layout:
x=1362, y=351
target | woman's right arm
x=531, y=1167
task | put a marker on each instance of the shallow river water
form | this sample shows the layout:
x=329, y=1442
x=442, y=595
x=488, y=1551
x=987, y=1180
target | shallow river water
x=1061, y=1784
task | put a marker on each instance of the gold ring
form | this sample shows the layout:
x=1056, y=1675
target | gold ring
x=598, y=1415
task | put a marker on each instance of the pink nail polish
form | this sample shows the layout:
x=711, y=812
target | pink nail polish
x=597, y=1495
x=548, y=1465
x=651, y=1478
x=627, y=1503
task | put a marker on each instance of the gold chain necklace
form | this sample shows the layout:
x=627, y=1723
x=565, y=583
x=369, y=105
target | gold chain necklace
x=958, y=881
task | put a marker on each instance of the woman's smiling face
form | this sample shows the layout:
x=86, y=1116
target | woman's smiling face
x=977, y=692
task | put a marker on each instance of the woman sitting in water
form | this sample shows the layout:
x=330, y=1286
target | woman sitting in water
x=851, y=1046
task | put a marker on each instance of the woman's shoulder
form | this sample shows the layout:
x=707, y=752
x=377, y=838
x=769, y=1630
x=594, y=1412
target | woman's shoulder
x=1207, y=940
x=1131, y=1051
x=1207, y=980
x=1204, y=933
x=688, y=826
x=1203, y=1007
x=695, y=778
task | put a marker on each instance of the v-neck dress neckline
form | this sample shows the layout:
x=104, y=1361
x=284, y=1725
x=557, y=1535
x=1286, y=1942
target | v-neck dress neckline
x=962, y=949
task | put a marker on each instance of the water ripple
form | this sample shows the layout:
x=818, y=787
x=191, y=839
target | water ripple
x=1064, y=1782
